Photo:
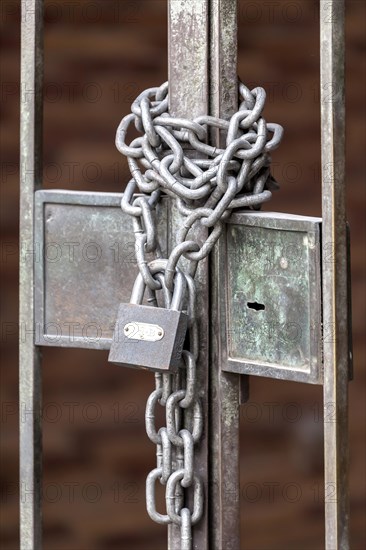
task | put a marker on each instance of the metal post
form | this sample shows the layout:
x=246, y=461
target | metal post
x=202, y=75
x=188, y=52
x=29, y=364
x=334, y=266
x=224, y=387
x=197, y=87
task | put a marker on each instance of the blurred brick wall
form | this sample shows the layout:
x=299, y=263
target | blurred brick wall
x=99, y=55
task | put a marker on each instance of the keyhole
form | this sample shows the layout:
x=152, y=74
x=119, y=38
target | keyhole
x=256, y=306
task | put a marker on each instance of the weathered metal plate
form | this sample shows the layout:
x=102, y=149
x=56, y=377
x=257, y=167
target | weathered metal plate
x=273, y=295
x=84, y=266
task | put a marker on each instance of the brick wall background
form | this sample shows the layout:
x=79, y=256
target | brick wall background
x=99, y=55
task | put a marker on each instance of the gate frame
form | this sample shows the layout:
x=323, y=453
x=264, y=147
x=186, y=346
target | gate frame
x=216, y=28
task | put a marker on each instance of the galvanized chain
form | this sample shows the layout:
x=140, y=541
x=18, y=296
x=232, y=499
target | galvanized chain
x=206, y=186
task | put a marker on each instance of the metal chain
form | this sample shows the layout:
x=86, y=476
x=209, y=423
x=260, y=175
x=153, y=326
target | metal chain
x=206, y=186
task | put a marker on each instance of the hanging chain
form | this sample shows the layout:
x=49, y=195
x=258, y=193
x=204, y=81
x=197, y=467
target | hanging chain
x=205, y=188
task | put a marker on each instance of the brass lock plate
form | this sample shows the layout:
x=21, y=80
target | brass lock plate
x=271, y=306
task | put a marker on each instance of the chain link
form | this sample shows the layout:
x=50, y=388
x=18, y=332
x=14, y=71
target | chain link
x=173, y=156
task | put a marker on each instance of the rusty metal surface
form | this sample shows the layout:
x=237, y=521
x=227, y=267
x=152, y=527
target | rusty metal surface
x=29, y=360
x=273, y=298
x=225, y=387
x=85, y=266
x=189, y=88
x=335, y=309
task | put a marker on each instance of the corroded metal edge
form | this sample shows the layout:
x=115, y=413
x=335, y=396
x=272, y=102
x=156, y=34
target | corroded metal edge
x=87, y=198
x=335, y=309
x=29, y=360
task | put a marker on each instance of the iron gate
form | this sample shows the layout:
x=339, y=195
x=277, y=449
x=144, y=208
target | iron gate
x=202, y=80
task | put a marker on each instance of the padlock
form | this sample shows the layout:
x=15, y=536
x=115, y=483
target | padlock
x=150, y=337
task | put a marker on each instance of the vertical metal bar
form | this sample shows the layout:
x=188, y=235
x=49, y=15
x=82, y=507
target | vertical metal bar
x=224, y=387
x=188, y=49
x=29, y=364
x=334, y=273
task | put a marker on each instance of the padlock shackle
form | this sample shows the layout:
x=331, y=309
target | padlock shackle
x=138, y=291
x=180, y=285
x=167, y=295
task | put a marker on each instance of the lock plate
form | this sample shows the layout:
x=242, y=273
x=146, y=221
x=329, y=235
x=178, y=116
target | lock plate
x=84, y=265
x=272, y=320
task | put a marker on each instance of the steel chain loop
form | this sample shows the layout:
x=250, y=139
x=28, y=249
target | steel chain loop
x=206, y=186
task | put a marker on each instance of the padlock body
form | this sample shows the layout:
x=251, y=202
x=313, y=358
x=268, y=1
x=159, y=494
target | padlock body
x=148, y=337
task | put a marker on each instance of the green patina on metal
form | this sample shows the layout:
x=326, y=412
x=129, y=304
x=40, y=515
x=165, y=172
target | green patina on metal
x=269, y=292
x=274, y=294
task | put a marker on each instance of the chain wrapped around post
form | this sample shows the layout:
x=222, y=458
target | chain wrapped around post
x=206, y=188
